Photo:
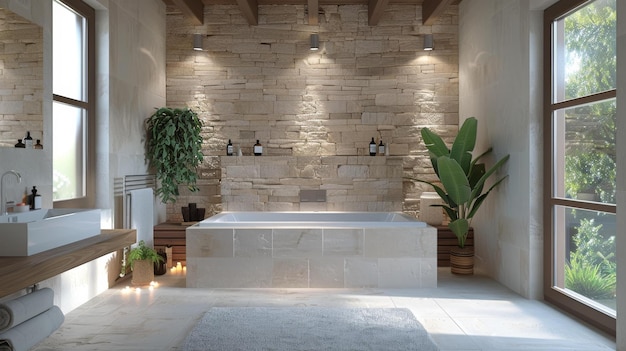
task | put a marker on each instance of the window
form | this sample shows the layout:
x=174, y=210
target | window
x=73, y=103
x=580, y=112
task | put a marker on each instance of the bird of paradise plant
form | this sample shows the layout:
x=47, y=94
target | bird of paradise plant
x=462, y=177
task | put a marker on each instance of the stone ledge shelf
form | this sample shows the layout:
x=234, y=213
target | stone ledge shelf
x=273, y=183
x=17, y=273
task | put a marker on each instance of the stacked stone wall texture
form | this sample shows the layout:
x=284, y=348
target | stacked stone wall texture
x=263, y=83
x=21, y=78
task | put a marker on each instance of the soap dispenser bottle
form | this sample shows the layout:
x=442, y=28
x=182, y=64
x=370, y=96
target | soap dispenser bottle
x=258, y=148
x=36, y=201
x=229, y=148
x=31, y=198
x=372, y=148
x=28, y=141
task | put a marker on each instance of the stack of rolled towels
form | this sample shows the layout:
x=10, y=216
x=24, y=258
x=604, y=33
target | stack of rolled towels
x=28, y=319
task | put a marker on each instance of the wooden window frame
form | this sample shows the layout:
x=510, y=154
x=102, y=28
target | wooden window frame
x=87, y=201
x=554, y=295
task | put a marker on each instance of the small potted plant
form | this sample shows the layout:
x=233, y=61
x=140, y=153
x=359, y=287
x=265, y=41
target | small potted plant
x=463, y=185
x=141, y=260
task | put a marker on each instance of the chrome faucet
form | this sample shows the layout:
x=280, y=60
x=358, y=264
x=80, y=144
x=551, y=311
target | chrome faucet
x=3, y=209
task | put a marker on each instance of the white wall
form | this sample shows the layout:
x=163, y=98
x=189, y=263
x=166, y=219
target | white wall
x=500, y=75
x=131, y=82
x=500, y=84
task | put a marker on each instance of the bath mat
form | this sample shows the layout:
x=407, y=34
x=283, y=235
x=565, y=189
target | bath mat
x=308, y=328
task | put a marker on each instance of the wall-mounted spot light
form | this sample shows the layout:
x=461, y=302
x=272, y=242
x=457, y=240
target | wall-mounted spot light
x=315, y=42
x=197, y=42
x=428, y=42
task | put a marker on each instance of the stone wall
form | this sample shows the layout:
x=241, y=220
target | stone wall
x=262, y=82
x=274, y=183
x=21, y=79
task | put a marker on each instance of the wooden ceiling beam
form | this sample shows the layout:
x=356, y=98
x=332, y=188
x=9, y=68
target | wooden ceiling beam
x=250, y=11
x=192, y=9
x=375, y=10
x=313, y=11
x=432, y=9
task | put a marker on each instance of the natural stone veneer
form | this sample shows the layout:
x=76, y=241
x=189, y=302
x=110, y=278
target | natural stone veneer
x=21, y=79
x=262, y=82
x=273, y=183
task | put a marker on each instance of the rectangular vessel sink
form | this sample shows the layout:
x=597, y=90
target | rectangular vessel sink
x=32, y=232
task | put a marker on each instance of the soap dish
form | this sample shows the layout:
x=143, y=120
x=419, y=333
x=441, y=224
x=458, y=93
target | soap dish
x=21, y=208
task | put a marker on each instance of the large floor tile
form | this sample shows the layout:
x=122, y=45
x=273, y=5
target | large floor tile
x=461, y=314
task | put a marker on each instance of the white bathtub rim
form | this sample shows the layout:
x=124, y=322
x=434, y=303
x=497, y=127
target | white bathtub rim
x=263, y=220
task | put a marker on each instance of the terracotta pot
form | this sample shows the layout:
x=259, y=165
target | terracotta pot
x=462, y=260
x=143, y=272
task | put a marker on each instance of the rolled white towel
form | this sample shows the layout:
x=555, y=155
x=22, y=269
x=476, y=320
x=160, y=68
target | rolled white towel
x=24, y=336
x=25, y=307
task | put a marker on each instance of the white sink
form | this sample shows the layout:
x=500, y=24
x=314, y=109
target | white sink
x=32, y=232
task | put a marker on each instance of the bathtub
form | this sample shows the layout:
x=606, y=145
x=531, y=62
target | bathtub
x=311, y=250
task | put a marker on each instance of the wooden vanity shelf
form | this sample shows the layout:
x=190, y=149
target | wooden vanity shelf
x=19, y=273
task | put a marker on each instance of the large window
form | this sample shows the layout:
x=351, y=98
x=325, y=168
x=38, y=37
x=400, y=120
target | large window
x=73, y=103
x=580, y=155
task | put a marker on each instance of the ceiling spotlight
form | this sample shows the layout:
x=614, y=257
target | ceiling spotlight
x=428, y=42
x=315, y=42
x=197, y=42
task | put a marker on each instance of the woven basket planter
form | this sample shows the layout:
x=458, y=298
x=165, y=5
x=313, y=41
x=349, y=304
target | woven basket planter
x=462, y=260
x=143, y=272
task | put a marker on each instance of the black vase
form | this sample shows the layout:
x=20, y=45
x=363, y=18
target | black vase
x=160, y=267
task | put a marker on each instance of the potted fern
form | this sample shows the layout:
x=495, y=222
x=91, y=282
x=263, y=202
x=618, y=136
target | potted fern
x=141, y=260
x=462, y=187
x=174, y=150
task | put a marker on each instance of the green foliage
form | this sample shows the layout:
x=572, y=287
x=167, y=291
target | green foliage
x=462, y=178
x=590, y=47
x=591, y=270
x=142, y=252
x=593, y=248
x=174, y=150
x=591, y=61
x=588, y=279
x=591, y=172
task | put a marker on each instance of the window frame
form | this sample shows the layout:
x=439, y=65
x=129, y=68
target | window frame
x=89, y=105
x=552, y=294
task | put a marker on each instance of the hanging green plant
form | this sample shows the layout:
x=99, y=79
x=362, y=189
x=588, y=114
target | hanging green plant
x=174, y=150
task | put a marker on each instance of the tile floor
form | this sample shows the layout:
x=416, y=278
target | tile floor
x=463, y=313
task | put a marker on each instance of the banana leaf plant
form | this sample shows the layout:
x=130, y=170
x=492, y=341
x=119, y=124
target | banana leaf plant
x=462, y=178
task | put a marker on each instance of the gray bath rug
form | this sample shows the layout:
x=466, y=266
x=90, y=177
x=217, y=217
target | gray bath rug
x=308, y=328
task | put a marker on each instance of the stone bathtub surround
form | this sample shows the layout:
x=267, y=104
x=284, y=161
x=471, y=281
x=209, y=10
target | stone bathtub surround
x=262, y=82
x=366, y=252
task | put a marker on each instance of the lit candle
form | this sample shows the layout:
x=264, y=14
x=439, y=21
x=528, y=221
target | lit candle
x=173, y=270
x=185, y=269
x=179, y=267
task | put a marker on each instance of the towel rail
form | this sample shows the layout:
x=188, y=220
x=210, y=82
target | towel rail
x=122, y=187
